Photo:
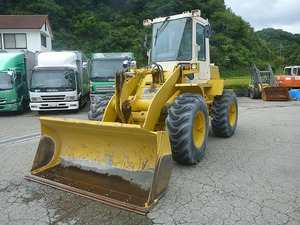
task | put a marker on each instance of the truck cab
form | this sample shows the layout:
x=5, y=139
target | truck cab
x=102, y=69
x=13, y=81
x=290, y=77
x=59, y=81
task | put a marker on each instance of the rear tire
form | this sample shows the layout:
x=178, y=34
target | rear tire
x=187, y=124
x=21, y=109
x=23, y=106
x=254, y=93
x=224, y=113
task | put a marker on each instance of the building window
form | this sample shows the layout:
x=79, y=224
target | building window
x=0, y=42
x=14, y=41
x=43, y=41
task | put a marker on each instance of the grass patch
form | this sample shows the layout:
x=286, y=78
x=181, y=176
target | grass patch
x=237, y=83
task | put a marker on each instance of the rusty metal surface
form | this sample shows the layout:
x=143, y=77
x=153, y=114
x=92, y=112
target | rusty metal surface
x=276, y=94
x=110, y=189
x=119, y=164
x=113, y=190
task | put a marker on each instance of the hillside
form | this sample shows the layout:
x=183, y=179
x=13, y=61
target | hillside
x=284, y=46
x=116, y=25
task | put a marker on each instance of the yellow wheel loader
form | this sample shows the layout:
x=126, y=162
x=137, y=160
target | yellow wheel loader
x=263, y=84
x=158, y=114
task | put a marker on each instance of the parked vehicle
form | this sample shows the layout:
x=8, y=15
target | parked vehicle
x=264, y=85
x=290, y=78
x=59, y=81
x=14, y=75
x=102, y=69
x=158, y=114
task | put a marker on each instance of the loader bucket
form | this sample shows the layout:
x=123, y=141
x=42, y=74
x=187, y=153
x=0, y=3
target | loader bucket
x=118, y=164
x=275, y=94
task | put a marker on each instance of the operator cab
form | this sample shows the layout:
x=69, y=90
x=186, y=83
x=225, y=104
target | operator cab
x=180, y=39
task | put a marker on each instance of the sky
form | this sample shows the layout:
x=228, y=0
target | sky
x=277, y=14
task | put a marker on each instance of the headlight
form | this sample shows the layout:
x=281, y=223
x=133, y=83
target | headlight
x=12, y=106
x=70, y=98
x=36, y=99
x=196, y=12
x=147, y=22
x=194, y=66
x=91, y=86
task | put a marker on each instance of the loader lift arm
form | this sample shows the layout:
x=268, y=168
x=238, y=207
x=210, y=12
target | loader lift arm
x=125, y=110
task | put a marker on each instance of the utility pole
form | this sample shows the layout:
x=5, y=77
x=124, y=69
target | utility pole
x=280, y=49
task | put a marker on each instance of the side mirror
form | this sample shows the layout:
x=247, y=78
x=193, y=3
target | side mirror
x=132, y=63
x=84, y=65
x=125, y=63
x=207, y=31
x=145, y=41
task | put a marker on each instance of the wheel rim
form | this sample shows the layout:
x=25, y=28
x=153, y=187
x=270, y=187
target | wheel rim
x=232, y=114
x=199, y=129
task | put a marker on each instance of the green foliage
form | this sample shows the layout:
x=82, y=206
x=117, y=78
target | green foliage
x=279, y=61
x=284, y=45
x=116, y=25
x=235, y=43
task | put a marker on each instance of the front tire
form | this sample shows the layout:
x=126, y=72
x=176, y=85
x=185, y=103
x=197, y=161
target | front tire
x=254, y=93
x=224, y=113
x=97, y=109
x=187, y=124
x=248, y=91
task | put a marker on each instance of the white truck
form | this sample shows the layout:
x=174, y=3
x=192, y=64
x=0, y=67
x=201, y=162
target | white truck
x=59, y=81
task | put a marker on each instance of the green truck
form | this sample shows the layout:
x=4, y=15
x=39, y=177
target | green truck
x=102, y=69
x=14, y=76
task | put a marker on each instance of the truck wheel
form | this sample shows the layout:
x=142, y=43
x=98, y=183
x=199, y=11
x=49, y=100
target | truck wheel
x=96, y=115
x=22, y=107
x=187, y=124
x=97, y=110
x=224, y=113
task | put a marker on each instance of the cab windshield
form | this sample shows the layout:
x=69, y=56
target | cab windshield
x=172, y=40
x=63, y=80
x=104, y=69
x=287, y=71
x=6, y=81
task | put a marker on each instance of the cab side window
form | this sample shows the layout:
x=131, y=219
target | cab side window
x=294, y=71
x=200, y=40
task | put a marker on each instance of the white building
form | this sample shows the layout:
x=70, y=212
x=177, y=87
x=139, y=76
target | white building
x=25, y=32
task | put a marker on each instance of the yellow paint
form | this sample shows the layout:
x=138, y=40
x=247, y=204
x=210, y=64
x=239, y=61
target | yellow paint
x=120, y=145
x=199, y=129
x=232, y=114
